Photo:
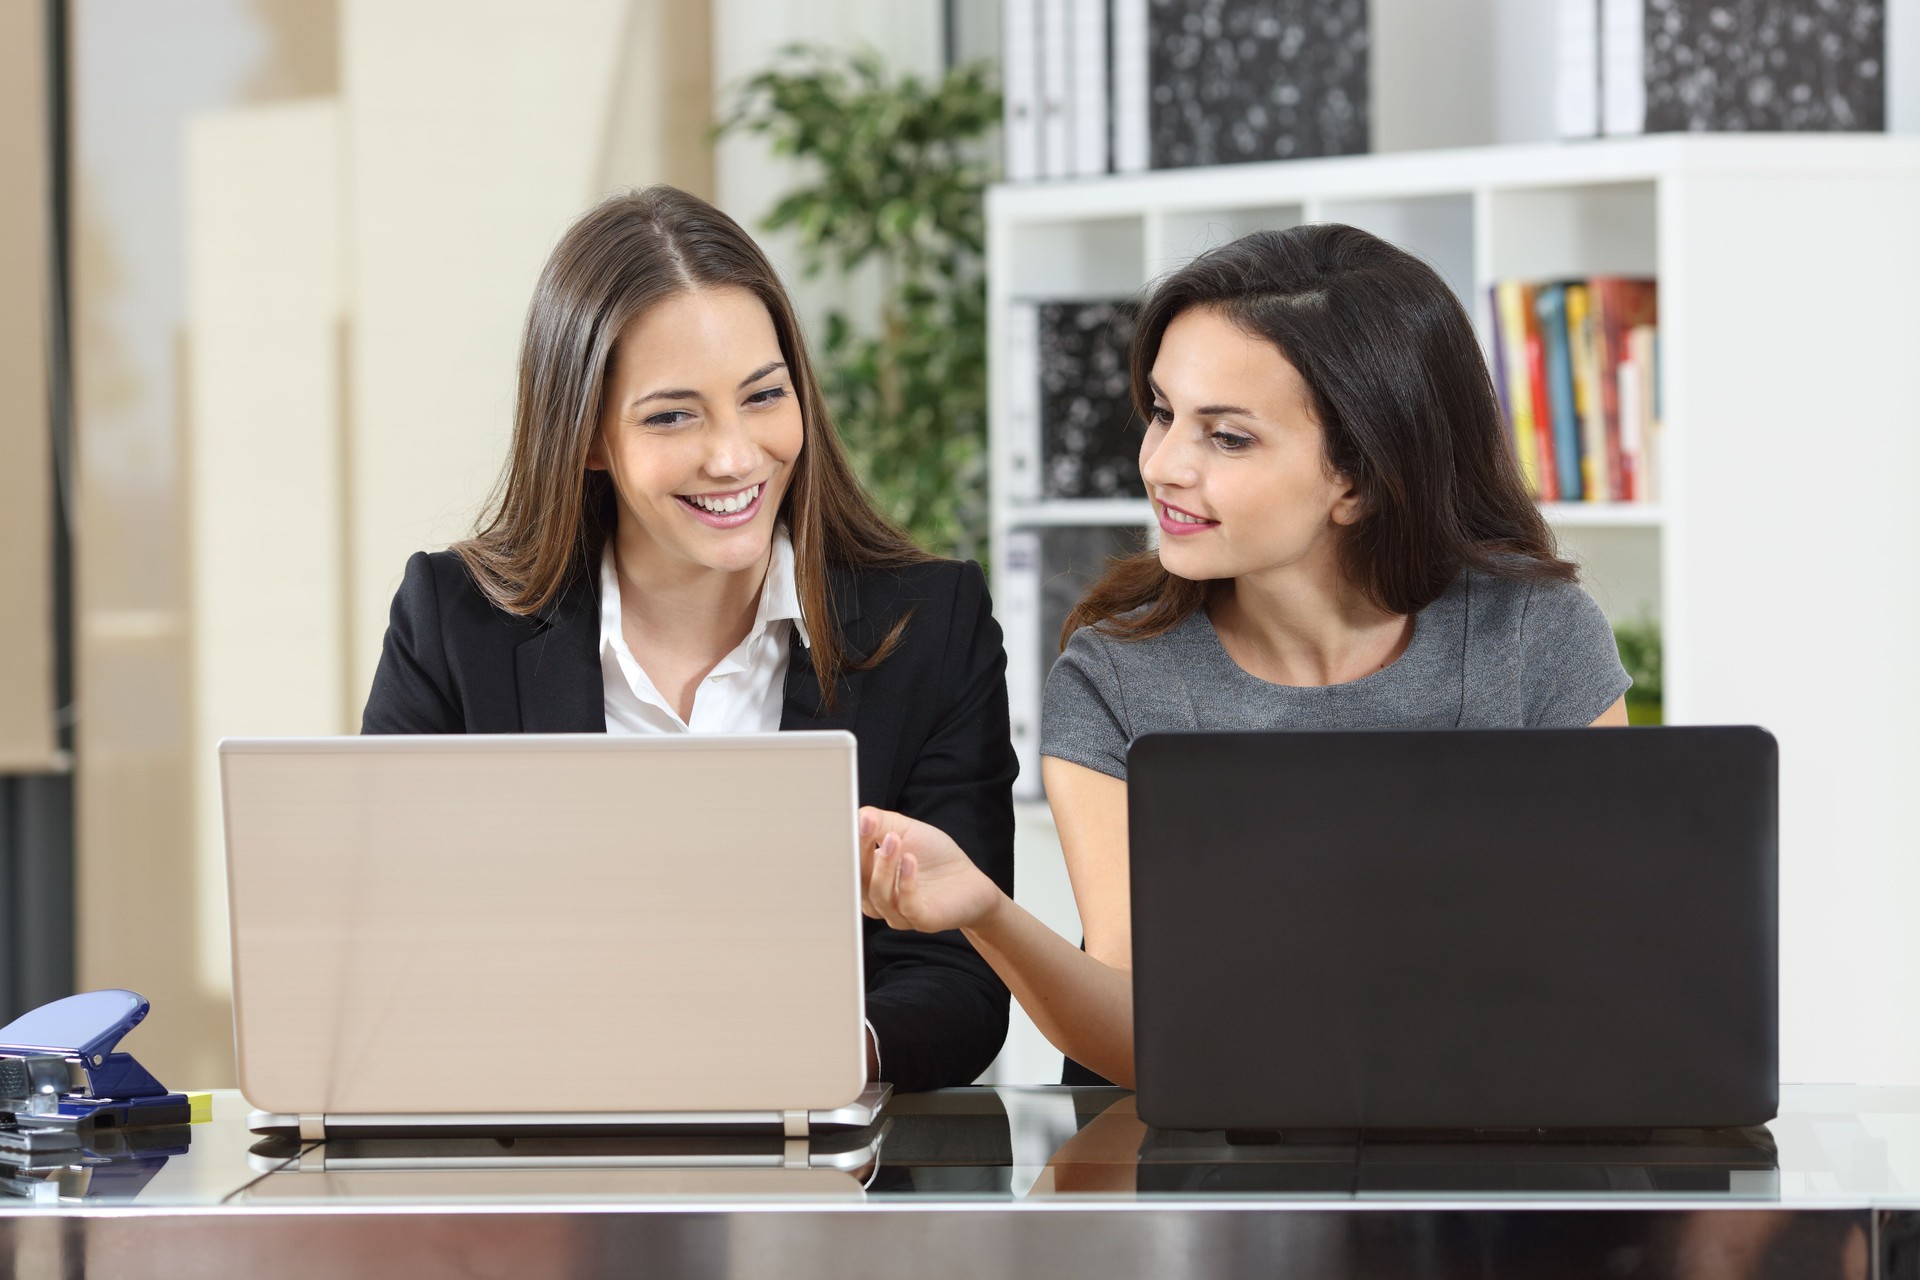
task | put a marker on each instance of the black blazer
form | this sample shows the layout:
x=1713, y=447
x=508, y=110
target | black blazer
x=931, y=721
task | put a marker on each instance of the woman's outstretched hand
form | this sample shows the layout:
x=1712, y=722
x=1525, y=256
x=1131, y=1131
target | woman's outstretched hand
x=914, y=876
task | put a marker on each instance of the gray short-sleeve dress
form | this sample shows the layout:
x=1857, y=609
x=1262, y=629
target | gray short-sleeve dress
x=1490, y=653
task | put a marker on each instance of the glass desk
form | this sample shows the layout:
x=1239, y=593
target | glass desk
x=1047, y=1181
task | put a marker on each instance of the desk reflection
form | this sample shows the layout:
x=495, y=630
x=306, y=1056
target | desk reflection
x=1116, y=1153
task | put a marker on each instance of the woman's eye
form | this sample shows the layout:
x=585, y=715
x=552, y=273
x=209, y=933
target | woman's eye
x=1229, y=442
x=769, y=396
x=1161, y=416
x=671, y=418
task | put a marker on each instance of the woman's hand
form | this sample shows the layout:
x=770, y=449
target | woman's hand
x=914, y=876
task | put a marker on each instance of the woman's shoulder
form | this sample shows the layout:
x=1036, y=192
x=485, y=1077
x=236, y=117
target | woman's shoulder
x=891, y=589
x=1516, y=603
x=1111, y=646
x=442, y=586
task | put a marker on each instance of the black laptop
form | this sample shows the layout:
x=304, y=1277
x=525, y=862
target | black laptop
x=1467, y=930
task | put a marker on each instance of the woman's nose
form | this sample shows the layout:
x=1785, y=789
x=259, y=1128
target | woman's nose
x=734, y=454
x=1165, y=461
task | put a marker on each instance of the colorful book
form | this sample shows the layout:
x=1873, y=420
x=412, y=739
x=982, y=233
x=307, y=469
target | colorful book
x=1587, y=398
x=1620, y=304
x=1550, y=308
x=1543, y=438
x=1510, y=305
x=1640, y=429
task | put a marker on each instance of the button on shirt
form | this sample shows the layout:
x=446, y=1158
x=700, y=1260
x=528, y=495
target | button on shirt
x=743, y=693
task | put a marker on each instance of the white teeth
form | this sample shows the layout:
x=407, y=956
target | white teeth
x=727, y=506
x=1181, y=517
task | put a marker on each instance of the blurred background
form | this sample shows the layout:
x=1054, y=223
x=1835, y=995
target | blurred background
x=267, y=261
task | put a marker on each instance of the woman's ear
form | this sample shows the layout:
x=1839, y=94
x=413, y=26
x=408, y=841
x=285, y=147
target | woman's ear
x=1350, y=505
x=597, y=453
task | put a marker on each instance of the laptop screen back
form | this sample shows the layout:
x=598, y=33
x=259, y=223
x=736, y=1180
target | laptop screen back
x=578, y=923
x=1455, y=929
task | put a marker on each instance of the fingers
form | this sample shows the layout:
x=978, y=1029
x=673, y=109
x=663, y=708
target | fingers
x=876, y=826
x=883, y=883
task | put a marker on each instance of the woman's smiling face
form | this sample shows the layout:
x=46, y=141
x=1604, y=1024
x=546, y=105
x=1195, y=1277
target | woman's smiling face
x=1234, y=458
x=699, y=430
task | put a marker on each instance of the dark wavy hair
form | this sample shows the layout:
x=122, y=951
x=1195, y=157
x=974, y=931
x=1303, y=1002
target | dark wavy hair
x=1406, y=409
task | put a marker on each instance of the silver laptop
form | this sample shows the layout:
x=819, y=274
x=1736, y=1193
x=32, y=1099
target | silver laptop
x=566, y=934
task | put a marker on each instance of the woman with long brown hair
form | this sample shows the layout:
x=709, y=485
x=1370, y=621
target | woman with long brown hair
x=678, y=545
x=1345, y=543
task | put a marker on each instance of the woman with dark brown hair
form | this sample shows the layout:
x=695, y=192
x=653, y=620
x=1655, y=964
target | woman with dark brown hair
x=679, y=546
x=1345, y=543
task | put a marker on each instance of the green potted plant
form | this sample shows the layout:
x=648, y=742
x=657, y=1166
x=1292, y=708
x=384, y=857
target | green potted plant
x=899, y=168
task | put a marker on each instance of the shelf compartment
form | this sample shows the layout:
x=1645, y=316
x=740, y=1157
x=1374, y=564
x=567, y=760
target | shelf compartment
x=1557, y=233
x=1091, y=257
x=1176, y=237
x=1437, y=229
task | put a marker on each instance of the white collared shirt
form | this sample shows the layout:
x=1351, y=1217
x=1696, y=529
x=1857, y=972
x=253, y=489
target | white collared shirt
x=745, y=690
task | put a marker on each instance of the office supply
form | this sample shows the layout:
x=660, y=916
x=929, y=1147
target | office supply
x=1020, y=76
x=1046, y=573
x=1672, y=66
x=1231, y=81
x=1444, y=929
x=1056, y=90
x=63, y=1081
x=1129, y=89
x=553, y=933
x=1576, y=72
x=1087, y=73
x=1089, y=430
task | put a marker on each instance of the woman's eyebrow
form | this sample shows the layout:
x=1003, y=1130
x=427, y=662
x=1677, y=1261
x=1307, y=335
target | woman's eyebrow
x=1206, y=410
x=675, y=393
x=664, y=395
x=760, y=373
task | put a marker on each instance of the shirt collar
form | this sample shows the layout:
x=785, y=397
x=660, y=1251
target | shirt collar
x=779, y=596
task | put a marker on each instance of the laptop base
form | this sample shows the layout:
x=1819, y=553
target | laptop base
x=858, y=1114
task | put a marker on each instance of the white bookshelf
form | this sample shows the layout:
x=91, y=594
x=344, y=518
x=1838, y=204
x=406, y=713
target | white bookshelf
x=1779, y=560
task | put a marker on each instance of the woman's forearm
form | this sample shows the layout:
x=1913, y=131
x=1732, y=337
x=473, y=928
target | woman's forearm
x=1082, y=1005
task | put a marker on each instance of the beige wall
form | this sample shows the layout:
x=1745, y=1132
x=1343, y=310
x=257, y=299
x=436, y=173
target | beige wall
x=355, y=271
x=264, y=451
x=470, y=144
x=27, y=738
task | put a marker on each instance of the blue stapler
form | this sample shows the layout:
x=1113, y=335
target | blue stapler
x=62, y=1083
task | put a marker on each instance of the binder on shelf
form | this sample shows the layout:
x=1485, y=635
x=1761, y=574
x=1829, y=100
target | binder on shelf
x=1021, y=477
x=1016, y=606
x=1020, y=87
x=1044, y=574
x=1089, y=446
x=1576, y=83
x=1056, y=148
x=1203, y=82
x=1129, y=86
x=1676, y=66
x=1087, y=74
x=1623, y=84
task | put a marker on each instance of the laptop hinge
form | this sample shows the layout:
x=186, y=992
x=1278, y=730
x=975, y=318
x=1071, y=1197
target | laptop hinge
x=313, y=1128
x=794, y=1154
x=793, y=1123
